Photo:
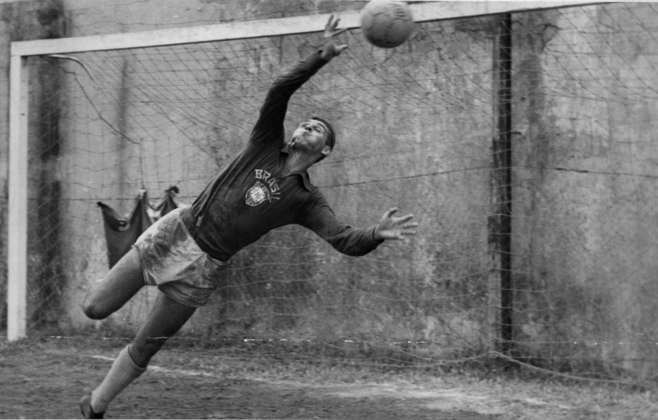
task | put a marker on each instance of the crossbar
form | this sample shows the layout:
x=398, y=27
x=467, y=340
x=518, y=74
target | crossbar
x=422, y=12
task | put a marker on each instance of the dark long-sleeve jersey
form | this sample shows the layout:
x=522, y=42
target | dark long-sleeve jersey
x=251, y=197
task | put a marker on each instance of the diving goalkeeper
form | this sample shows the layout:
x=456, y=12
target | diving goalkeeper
x=185, y=252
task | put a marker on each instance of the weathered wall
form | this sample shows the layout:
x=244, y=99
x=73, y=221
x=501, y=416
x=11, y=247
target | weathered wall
x=22, y=21
x=585, y=189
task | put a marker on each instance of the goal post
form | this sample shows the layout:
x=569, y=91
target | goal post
x=17, y=217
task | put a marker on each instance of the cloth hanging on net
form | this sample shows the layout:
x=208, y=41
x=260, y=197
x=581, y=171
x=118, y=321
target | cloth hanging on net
x=122, y=232
x=166, y=205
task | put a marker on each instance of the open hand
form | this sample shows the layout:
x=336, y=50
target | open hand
x=392, y=227
x=331, y=49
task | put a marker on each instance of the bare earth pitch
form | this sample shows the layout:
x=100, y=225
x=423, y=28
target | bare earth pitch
x=46, y=377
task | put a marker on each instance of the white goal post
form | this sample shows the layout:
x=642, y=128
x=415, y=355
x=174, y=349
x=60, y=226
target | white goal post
x=17, y=262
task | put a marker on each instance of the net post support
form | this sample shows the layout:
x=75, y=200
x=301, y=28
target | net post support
x=500, y=228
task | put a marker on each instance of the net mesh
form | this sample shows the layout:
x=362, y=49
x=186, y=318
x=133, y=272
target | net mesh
x=415, y=129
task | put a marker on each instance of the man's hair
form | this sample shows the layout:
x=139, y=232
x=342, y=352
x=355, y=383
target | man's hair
x=331, y=135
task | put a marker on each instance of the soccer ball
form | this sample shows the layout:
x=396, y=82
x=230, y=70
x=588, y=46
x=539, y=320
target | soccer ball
x=386, y=23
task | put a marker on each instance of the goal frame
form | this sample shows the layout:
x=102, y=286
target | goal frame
x=20, y=51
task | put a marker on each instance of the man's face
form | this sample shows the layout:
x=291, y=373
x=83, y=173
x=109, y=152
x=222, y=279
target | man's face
x=310, y=136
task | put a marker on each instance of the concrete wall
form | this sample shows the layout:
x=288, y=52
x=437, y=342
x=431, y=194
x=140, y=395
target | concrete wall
x=585, y=185
x=414, y=129
x=18, y=21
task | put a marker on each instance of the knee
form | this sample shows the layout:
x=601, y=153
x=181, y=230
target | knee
x=93, y=309
x=142, y=352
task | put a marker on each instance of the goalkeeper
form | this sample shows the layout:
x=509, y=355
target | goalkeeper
x=184, y=253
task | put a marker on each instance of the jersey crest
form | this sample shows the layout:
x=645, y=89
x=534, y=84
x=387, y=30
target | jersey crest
x=257, y=195
x=265, y=189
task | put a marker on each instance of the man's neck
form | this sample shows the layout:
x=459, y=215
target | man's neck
x=297, y=162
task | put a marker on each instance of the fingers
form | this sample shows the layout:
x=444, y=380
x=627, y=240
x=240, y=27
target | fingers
x=390, y=212
x=335, y=25
x=408, y=229
x=331, y=24
x=331, y=27
x=327, y=26
x=409, y=226
x=404, y=219
x=402, y=234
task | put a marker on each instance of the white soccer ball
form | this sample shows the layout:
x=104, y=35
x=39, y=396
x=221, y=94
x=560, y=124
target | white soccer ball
x=386, y=23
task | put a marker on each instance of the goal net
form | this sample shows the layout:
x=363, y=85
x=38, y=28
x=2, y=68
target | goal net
x=563, y=278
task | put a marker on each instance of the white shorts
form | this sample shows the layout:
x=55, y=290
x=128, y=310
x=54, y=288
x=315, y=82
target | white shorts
x=172, y=260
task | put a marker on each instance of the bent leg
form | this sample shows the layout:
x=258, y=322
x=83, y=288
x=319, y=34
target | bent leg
x=165, y=319
x=120, y=284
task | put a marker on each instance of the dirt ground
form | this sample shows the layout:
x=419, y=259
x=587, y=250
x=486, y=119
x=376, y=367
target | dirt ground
x=45, y=379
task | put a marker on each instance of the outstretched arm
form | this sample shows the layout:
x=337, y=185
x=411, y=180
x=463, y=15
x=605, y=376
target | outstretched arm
x=320, y=218
x=269, y=126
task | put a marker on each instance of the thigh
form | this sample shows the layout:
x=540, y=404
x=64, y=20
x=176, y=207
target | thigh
x=165, y=319
x=120, y=284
